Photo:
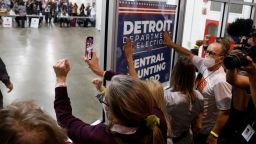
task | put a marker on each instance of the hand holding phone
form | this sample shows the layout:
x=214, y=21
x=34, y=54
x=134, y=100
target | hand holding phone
x=89, y=47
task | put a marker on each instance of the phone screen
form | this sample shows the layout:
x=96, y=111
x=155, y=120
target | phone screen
x=89, y=47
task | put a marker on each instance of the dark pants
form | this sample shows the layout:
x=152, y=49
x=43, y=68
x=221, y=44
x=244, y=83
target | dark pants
x=48, y=17
x=89, y=21
x=64, y=20
x=55, y=19
x=74, y=14
x=21, y=21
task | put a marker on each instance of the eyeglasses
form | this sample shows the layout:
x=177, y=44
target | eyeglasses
x=211, y=53
x=101, y=98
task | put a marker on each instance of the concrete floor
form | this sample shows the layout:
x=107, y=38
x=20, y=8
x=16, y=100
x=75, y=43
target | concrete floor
x=29, y=55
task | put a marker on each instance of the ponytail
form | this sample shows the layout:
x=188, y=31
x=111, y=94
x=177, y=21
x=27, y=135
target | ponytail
x=131, y=103
x=157, y=136
x=153, y=123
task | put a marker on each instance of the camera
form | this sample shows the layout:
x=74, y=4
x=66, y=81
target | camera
x=238, y=58
x=241, y=30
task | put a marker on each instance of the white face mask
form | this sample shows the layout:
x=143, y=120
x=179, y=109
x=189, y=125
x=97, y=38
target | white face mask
x=209, y=61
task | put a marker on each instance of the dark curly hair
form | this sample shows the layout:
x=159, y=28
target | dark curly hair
x=240, y=27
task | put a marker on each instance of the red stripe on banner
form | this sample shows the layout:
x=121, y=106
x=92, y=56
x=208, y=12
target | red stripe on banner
x=152, y=12
x=146, y=9
x=141, y=4
x=145, y=6
x=146, y=12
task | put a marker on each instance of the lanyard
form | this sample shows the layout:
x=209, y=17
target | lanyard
x=204, y=79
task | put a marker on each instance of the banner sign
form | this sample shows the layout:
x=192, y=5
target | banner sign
x=145, y=22
x=34, y=22
x=7, y=22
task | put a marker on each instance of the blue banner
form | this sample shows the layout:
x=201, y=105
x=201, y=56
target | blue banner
x=145, y=22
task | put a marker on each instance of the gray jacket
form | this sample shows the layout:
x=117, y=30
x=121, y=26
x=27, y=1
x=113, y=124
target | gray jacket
x=20, y=10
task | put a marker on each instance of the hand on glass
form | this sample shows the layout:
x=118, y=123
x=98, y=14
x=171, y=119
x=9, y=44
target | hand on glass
x=167, y=40
x=128, y=48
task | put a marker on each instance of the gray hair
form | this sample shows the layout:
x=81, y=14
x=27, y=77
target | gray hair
x=25, y=123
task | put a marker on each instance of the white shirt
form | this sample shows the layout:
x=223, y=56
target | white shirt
x=182, y=111
x=93, y=14
x=216, y=92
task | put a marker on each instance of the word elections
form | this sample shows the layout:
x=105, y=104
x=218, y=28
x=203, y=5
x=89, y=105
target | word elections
x=145, y=40
x=150, y=65
x=139, y=27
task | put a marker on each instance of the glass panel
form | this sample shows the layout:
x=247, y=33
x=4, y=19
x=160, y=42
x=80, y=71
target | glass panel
x=212, y=30
x=235, y=8
x=203, y=20
x=167, y=1
x=29, y=54
x=215, y=6
x=245, y=12
x=241, y=1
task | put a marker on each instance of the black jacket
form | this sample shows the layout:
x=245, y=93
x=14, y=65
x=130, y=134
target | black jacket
x=4, y=77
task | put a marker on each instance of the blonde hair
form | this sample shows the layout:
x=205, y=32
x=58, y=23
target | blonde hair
x=25, y=123
x=130, y=102
x=157, y=91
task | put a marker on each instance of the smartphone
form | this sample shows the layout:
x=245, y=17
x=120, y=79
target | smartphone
x=89, y=47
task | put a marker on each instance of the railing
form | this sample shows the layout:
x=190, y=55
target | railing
x=76, y=17
x=10, y=24
x=24, y=15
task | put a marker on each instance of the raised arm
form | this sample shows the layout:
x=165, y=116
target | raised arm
x=94, y=65
x=128, y=51
x=169, y=43
x=77, y=130
x=244, y=81
x=236, y=79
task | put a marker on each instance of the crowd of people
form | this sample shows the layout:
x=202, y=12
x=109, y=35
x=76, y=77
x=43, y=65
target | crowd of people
x=51, y=10
x=202, y=109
